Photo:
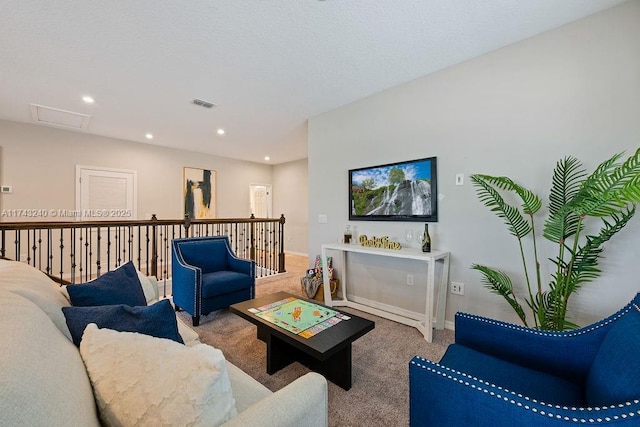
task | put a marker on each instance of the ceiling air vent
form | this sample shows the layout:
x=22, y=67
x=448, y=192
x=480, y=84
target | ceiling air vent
x=56, y=117
x=204, y=104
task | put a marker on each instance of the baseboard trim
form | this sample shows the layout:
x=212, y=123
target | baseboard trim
x=296, y=253
x=448, y=324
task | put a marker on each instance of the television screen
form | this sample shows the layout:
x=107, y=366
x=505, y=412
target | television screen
x=404, y=191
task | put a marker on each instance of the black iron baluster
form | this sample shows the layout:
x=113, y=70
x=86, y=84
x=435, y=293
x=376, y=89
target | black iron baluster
x=2, y=249
x=28, y=247
x=49, y=251
x=130, y=245
x=39, y=249
x=61, y=252
x=154, y=248
x=98, y=252
x=72, y=237
x=17, y=246
x=139, y=249
x=281, y=266
x=89, y=258
x=108, y=248
x=81, y=244
x=118, y=244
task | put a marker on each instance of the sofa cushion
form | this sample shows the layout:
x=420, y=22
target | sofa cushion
x=43, y=381
x=224, y=282
x=21, y=279
x=620, y=348
x=157, y=320
x=189, y=336
x=141, y=380
x=534, y=384
x=119, y=286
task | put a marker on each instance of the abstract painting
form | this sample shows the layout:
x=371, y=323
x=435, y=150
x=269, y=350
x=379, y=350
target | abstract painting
x=199, y=193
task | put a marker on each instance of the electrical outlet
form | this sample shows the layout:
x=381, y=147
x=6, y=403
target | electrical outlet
x=410, y=279
x=457, y=288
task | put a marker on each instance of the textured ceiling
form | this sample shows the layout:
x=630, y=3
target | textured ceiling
x=268, y=65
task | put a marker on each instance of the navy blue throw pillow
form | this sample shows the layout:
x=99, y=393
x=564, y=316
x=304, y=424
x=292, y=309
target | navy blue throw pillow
x=157, y=320
x=119, y=286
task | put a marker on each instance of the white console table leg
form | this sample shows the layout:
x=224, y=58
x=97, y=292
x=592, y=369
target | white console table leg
x=433, y=308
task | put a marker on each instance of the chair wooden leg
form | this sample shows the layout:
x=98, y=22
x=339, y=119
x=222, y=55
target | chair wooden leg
x=177, y=308
x=195, y=320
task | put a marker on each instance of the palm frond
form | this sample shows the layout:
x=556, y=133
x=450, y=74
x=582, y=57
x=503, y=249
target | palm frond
x=552, y=312
x=585, y=263
x=562, y=224
x=610, y=188
x=498, y=282
x=531, y=203
x=491, y=198
x=567, y=178
x=547, y=303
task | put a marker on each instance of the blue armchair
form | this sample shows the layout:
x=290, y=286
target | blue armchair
x=207, y=276
x=499, y=374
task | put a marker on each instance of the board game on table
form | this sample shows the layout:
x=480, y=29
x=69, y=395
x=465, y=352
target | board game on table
x=299, y=316
x=328, y=352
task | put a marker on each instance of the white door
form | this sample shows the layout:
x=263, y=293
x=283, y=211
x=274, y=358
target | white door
x=103, y=193
x=260, y=199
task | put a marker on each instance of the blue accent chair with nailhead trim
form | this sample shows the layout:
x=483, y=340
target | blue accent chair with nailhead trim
x=207, y=276
x=500, y=374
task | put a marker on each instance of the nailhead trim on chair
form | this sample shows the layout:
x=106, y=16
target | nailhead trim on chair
x=547, y=333
x=196, y=306
x=519, y=395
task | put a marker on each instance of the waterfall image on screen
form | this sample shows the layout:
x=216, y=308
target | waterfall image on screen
x=404, y=191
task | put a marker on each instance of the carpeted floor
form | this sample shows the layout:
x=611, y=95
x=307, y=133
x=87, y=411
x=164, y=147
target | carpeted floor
x=380, y=392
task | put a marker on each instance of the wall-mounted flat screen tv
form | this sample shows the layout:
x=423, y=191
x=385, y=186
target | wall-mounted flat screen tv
x=403, y=191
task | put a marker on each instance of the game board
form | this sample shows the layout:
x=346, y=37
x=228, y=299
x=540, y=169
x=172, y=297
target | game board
x=299, y=317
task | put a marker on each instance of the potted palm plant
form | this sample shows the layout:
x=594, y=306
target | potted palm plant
x=608, y=195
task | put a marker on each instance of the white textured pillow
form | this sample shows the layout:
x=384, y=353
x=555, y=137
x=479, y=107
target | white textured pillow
x=146, y=381
x=149, y=287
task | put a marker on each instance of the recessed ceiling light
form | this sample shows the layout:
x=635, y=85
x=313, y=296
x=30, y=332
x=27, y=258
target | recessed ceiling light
x=220, y=131
x=88, y=99
x=267, y=158
x=149, y=136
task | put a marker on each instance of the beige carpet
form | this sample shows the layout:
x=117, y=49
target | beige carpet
x=380, y=392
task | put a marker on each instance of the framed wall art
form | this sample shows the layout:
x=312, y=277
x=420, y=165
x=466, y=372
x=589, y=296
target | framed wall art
x=199, y=188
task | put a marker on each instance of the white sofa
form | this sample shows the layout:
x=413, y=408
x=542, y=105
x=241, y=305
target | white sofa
x=43, y=381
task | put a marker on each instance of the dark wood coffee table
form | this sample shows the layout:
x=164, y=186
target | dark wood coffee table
x=328, y=352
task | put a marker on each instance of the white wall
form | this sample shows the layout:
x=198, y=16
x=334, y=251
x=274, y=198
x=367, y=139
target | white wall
x=39, y=163
x=290, y=197
x=515, y=112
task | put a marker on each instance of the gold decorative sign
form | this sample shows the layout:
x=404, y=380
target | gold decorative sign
x=378, y=242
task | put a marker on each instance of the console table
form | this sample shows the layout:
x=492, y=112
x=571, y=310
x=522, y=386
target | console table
x=432, y=307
